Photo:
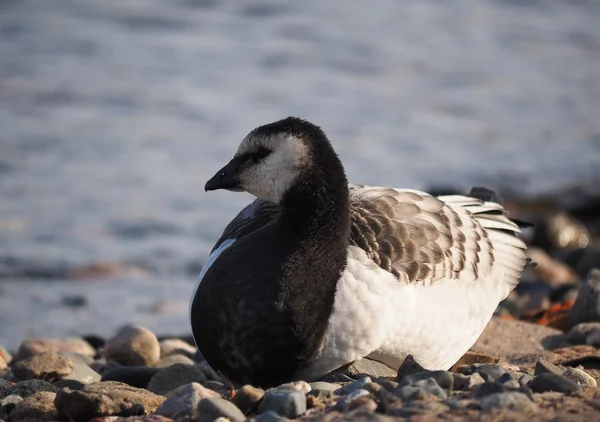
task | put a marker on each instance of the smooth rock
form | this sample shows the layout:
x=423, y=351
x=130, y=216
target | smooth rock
x=543, y=366
x=34, y=346
x=176, y=346
x=213, y=408
x=467, y=382
x=301, y=386
x=512, y=400
x=135, y=376
x=290, y=404
x=270, y=416
x=408, y=366
x=247, y=398
x=490, y=372
x=337, y=378
x=366, y=367
x=487, y=388
x=355, y=385
x=443, y=378
x=174, y=376
x=133, y=346
x=416, y=409
x=525, y=379
x=183, y=401
x=580, y=377
x=29, y=387
x=37, y=407
x=388, y=384
x=77, y=357
x=83, y=373
x=553, y=382
x=5, y=356
x=48, y=366
x=107, y=398
x=580, y=333
x=174, y=359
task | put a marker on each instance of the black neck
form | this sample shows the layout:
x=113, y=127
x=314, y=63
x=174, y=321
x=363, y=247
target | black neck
x=318, y=203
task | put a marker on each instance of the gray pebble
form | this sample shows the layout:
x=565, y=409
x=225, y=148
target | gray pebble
x=512, y=400
x=553, y=382
x=70, y=384
x=174, y=376
x=183, y=402
x=543, y=366
x=135, y=376
x=83, y=373
x=174, y=359
x=356, y=385
x=270, y=416
x=323, y=390
x=444, y=379
x=490, y=372
x=290, y=404
x=488, y=388
x=213, y=408
x=8, y=404
x=337, y=378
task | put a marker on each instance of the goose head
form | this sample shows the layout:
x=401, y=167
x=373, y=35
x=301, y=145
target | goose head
x=270, y=159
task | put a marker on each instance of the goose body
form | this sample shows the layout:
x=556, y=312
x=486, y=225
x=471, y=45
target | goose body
x=317, y=273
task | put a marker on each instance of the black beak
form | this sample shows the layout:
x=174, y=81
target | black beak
x=226, y=178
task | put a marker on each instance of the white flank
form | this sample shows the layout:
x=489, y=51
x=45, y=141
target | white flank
x=211, y=260
x=376, y=315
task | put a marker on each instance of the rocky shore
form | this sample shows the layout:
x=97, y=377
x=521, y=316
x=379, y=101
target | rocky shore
x=535, y=373
x=537, y=360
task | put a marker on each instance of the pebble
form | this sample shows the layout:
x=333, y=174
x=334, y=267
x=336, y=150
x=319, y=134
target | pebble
x=525, y=379
x=212, y=408
x=355, y=385
x=553, y=382
x=409, y=366
x=580, y=377
x=83, y=373
x=48, y=366
x=512, y=400
x=487, y=388
x=365, y=366
x=177, y=346
x=247, y=398
x=290, y=404
x=420, y=390
x=466, y=382
x=5, y=356
x=174, y=376
x=135, y=376
x=29, y=387
x=301, y=386
x=34, y=346
x=107, y=398
x=183, y=402
x=490, y=372
x=543, y=366
x=37, y=407
x=174, y=359
x=388, y=384
x=444, y=379
x=133, y=345
x=270, y=416
x=580, y=333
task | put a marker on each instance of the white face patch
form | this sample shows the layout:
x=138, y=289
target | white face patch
x=272, y=176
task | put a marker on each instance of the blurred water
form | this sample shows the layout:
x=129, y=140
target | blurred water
x=114, y=114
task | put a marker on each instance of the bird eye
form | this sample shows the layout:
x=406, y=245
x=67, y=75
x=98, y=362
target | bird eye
x=261, y=153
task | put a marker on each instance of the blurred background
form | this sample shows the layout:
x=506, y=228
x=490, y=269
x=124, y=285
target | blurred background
x=114, y=114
